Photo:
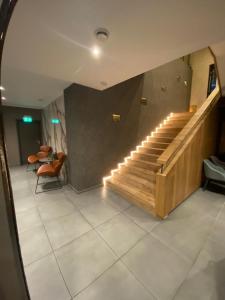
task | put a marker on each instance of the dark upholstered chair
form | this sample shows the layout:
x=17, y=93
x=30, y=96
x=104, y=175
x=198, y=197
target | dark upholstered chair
x=217, y=161
x=213, y=173
x=33, y=159
x=51, y=170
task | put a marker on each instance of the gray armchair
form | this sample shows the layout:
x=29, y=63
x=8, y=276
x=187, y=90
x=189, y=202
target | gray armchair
x=217, y=161
x=213, y=173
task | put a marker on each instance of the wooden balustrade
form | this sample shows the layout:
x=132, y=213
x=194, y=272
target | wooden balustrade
x=181, y=171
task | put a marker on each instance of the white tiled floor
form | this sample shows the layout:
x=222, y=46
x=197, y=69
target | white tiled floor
x=97, y=246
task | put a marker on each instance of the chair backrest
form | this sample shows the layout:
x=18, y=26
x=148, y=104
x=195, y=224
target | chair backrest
x=58, y=163
x=213, y=171
x=217, y=161
x=45, y=148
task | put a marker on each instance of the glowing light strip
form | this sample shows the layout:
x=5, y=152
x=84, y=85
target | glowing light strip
x=124, y=163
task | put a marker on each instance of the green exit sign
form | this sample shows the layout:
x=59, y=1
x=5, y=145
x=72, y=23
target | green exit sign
x=27, y=119
x=55, y=121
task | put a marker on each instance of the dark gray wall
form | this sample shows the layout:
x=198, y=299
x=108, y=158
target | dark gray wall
x=95, y=143
x=10, y=115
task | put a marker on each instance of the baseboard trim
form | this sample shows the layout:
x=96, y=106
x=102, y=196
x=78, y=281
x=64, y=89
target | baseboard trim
x=84, y=190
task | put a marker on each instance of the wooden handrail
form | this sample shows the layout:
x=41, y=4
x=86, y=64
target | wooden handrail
x=169, y=154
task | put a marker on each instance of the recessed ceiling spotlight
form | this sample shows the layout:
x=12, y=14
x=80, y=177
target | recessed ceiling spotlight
x=102, y=34
x=2, y=88
x=3, y=98
x=96, y=51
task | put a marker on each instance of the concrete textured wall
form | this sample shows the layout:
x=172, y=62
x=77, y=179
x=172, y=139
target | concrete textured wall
x=95, y=143
x=10, y=116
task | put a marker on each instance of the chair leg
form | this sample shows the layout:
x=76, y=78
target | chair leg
x=36, y=185
x=206, y=184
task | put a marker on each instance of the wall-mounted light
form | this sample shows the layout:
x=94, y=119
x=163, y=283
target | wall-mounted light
x=27, y=119
x=2, y=88
x=144, y=101
x=3, y=98
x=116, y=118
x=55, y=121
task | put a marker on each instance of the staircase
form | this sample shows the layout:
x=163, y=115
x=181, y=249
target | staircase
x=135, y=178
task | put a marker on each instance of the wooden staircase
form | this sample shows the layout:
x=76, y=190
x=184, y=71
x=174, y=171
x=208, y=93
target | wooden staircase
x=135, y=178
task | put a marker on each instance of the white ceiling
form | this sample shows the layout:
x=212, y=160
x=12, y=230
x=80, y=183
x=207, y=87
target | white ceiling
x=48, y=42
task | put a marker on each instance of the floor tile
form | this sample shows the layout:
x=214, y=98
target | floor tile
x=45, y=281
x=98, y=213
x=83, y=260
x=140, y=217
x=120, y=233
x=206, y=279
x=28, y=219
x=185, y=235
x=65, y=229
x=115, y=284
x=34, y=244
x=58, y=208
x=24, y=204
x=205, y=202
x=157, y=267
x=115, y=200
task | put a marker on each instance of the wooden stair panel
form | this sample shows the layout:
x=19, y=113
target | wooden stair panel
x=143, y=173
x=137, y=197
x=145, y=156
x=160, y=140
x=135, y=181
x=158, y=145
x=144, y=164
x=165, y=134
x=151, y=150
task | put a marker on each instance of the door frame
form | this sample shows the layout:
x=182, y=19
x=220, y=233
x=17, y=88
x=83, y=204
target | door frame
x=19, y=139
x=15, y=269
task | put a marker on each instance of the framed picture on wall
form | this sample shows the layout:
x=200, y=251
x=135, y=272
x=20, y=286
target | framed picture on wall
x=212, y=79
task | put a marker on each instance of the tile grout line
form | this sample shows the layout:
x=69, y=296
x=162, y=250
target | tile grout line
x=71, y=297
x=118, y=257
x=204, y=243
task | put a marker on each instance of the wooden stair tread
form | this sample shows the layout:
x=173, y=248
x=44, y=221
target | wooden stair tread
x=145, y=161
x=138, y=197
x=143, y=183
x=138, y=170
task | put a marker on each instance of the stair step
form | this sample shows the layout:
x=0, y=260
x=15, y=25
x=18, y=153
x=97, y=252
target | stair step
x=143, y=173
x=160, y=139
x=145, y=156
x=133, y=180
x=151, y=150
x=166, y=129
x=136, y=196
x=183, y=114
x=165, y=134
x=144, y=164
x=157, y=145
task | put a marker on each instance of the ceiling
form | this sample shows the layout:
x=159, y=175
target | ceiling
x=48, y=43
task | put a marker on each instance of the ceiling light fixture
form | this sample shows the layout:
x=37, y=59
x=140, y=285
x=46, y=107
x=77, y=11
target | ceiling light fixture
x=96, y=51
x=2, y=88
x=102, y=34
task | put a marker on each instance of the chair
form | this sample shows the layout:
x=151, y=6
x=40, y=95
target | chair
x=51, y=170
x=213, y=173
x=217, y=161
x=33, y=159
